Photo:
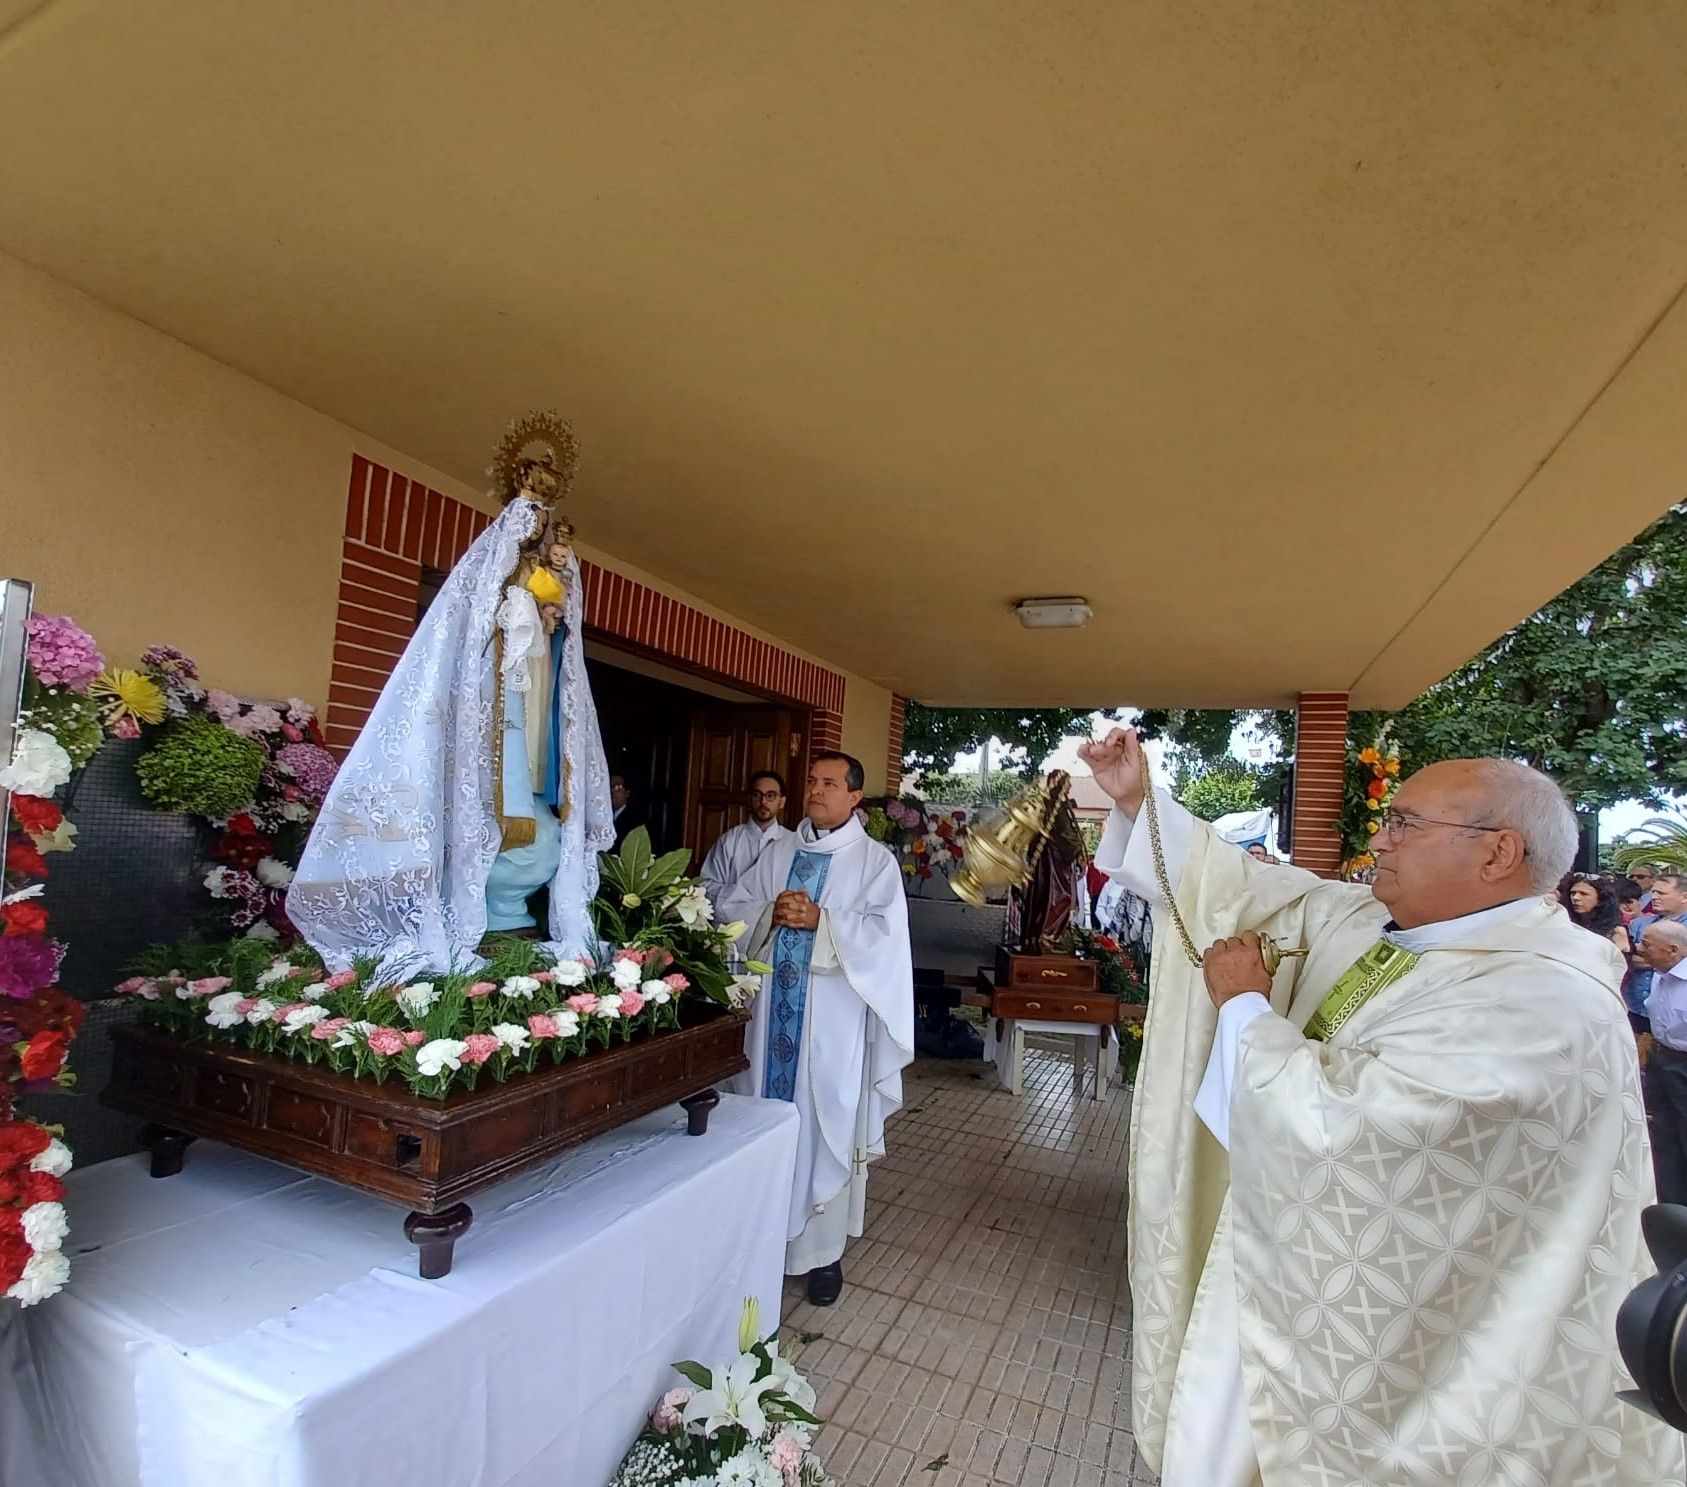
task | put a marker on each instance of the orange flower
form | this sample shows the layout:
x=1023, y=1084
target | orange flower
x=1368, y=756
x=1377, y=789
x=1393, y=765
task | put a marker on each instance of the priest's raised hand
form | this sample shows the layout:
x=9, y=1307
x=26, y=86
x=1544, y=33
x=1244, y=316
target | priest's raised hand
x=1384, y=1204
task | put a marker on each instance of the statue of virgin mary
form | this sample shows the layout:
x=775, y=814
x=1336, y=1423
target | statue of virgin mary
x=480, y=775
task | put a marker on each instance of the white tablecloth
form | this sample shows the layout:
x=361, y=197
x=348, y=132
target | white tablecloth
x=239, y=1325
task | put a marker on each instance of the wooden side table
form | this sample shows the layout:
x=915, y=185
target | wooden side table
x=1088, y=1018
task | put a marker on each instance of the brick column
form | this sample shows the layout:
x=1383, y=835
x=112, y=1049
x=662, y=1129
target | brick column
x=1320, y=777
x=893, y=749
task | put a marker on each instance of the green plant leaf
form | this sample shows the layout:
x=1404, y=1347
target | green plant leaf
x=696, y=1374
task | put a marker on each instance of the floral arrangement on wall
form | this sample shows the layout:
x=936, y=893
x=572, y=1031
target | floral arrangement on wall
x=449, y=1029
x=928, y=840
x=1373, y=775
x=37, y=1021
x=745, y=1423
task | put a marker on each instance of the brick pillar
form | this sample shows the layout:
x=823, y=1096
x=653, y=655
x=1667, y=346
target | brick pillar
x=893, y=748
x=1320, y=777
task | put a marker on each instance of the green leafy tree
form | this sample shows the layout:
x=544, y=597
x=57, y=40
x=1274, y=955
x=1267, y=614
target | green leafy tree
x=1217, y=792
x=933, y=736
x=962, y=789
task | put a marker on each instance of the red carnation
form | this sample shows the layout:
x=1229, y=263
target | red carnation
x=40, y=1187
x=242, y=825
x=20, y=1143
x=27, y=918
x=21, y=857
x=43, y=1056
x=14, y=1255
x=36, y=815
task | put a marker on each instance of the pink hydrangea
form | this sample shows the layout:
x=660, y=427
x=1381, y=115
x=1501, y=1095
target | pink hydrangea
x=339, y=980
x=481, y=988
x=311, y=767
x=585, y=1004
x=676, y=982
x=257, y=719
x=632, y=1003
x=221, y=704
x=386, y=1041
x=541, y=1025
x=478, y=1047
x=62, y=653
x=328, y=1027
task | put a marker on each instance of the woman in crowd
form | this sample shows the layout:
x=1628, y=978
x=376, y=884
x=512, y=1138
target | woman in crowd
x=1593, y=904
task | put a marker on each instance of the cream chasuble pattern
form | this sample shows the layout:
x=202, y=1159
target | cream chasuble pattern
x=1429, y=1218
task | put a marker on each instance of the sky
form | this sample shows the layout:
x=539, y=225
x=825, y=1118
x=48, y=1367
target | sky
x=1620, y=818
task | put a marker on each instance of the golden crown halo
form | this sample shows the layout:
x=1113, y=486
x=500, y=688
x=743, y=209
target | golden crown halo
x=535, y=460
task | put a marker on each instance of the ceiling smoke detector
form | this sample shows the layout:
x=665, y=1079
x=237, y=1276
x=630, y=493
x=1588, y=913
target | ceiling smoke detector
x=1053, y=614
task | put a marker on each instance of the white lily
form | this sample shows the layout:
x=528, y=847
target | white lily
x=734, y=1400
x=789, y=1382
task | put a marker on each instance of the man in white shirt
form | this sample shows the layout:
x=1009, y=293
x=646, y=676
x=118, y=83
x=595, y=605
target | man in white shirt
x=1664, y=949
x=735, y=852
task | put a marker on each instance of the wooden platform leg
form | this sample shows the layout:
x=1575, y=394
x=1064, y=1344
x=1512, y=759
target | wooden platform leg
x=167, y=1146
x=436, y=1235
x=1099, y=1062
x=697, y=1108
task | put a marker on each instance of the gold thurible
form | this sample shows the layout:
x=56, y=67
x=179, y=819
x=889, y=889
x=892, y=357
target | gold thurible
x=1002, y=850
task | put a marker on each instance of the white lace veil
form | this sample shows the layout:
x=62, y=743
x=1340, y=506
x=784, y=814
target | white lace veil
x=396, y=865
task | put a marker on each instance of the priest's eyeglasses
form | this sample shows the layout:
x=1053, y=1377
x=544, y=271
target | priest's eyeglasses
x=1397, y=823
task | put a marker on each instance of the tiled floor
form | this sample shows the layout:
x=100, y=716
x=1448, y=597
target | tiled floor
x=984, y=1331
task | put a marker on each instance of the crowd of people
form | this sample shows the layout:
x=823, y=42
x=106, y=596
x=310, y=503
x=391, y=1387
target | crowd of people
x=1644, y=915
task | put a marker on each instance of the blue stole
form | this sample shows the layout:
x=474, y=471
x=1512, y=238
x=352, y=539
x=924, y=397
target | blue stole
x=793, y=950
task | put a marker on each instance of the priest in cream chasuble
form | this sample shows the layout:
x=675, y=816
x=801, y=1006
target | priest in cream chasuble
x=1384, y=1204
x=833, y=1026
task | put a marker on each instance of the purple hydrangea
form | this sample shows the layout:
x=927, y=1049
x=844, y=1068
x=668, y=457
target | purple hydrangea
x=167, y=664
x=62, y=653
x=310, y=767
x=27, y=964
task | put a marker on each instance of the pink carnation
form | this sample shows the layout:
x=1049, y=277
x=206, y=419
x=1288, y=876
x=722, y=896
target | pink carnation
x=479, y=1047
x=414, y=1038
x=131, y=986
x=280, y=1013
x=585, y=1004
x=481, y=988
x=340, y=979
x=207, y=986
x=541, y=1026
x=386, y=1040
x=62, y=653
x=328, y=1027
x=126, y=727
x=668, y=1415
x=632, y=1003
x=785, y=1452
x=544, y=975
x=635, y=956
x=246, y=1004
x=676, y=982
x=657, y=959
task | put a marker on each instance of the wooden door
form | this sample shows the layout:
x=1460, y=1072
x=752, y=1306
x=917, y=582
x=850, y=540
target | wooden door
x=728, y=745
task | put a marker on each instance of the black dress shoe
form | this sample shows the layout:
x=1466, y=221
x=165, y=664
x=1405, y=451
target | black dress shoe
x=825, y=1283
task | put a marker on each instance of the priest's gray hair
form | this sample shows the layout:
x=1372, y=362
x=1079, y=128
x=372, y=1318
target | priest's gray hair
x=1537, y=810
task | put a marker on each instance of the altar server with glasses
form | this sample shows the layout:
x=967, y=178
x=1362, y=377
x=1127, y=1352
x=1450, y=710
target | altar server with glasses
x=735, y=852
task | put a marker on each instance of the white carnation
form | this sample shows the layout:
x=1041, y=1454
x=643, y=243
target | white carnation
x=262, y=1012
x=54, y=1161
x=657, y=991
x=301, y=1018
x=352, y=1032
x=416, y=998
x=39, y=766
x=217, y=881
x=570, y=972
x=278, y=970
x=45, y=1225
x=512, y=1035
x=263, y=930
x=273, y=874
x=294, y=810
x=219, y=1011
x=609, y=1006
x=567, y=1022
x=43, y=1276
x=523, y=986
x=626, y=974
x=440, y=1055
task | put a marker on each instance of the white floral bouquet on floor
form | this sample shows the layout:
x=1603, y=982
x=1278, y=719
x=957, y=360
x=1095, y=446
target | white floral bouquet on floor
x=747, y=1424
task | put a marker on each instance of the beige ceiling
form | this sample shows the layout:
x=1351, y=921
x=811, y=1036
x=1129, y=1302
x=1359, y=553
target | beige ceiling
x=1314, y=341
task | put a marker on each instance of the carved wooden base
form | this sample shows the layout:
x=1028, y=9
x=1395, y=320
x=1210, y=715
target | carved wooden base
x=436, y=1235
x=383, y=1140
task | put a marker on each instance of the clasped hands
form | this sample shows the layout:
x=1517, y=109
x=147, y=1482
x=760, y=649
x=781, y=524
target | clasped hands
x=794, y=909
x=1233, y=967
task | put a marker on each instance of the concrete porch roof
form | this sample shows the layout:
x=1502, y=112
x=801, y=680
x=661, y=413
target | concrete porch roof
x=1315, y=343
